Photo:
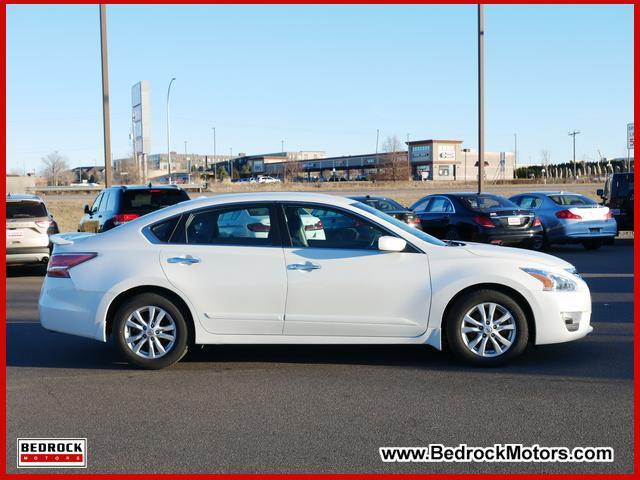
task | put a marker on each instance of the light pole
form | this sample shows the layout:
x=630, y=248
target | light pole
x=480, y=97
x=465, y=150
x=515, y=153
x=573, y=134
x=215, y=160
x=106, y=123
x=169, y=129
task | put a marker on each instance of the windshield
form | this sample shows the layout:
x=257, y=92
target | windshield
x=152, y=199
x=486, y=202
x=573, y=199
x=26, y=210
x=425, y=237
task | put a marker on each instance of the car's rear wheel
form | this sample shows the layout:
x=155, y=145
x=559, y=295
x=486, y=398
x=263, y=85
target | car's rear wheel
x=150, y=331
x=486, y=328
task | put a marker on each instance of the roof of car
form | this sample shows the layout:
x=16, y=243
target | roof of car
x=369, y=197
x=274, y=196
x=146, y=187
x=22, y=196
x=547, y=193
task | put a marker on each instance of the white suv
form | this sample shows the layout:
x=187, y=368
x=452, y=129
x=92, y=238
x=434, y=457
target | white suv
x=29, y=225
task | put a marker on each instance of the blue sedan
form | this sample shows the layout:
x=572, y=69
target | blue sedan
x=570, y=218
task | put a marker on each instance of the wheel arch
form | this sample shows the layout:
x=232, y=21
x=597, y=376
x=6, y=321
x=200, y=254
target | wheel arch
x=517, y=297
x=162, y=291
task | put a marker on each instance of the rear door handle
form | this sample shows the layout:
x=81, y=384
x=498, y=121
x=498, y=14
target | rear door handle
x=188, y=260
x=305, y=267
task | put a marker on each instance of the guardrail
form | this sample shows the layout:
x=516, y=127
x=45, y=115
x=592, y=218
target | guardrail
x=192, y=187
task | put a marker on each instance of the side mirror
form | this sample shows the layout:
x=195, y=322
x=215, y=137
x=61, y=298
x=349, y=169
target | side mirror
x=391, y=244
x=600, y=192
x=87, y=209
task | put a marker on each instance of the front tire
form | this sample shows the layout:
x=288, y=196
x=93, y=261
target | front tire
x=150, y=331
x=486, y=328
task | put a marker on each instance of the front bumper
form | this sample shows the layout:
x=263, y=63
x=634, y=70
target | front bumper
x=66, y=309
x=552, y=311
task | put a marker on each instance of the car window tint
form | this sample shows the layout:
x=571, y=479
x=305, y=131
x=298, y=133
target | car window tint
x=528, y=202
x=238, y=226
x=96, y=204
x=163, y=230
x=328, y=228
x=105, y=200
x=440, y=205
x=572, y=199
x=420, y=205
x=148, y=200
x=26, y=210
x=111, y=202
x=383, y=204
x=486, y=202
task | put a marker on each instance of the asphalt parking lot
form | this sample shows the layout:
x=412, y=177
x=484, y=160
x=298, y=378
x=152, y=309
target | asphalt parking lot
x=325, y=408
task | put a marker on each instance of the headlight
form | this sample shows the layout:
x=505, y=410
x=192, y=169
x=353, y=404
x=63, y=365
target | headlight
x=573, y=271
x=551, y=282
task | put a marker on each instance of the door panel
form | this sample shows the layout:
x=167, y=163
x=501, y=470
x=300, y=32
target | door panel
x=335, y=290
x=235, y=278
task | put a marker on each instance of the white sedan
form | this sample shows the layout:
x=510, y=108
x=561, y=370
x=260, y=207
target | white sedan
x=157, y=286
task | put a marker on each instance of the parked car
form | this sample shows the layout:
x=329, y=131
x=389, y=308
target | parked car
x=268, y=179
x=617, y=194
x=391, y=207
x=29, y=226
x=120, y=204
x=476, y=217
x=570, y=218
x=158, y=293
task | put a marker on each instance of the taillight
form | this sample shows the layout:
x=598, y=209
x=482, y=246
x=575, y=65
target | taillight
x=258, y=227
x=315, y=226
x=60, y=263
x=537, y=222
x=568, y=215
x=43, y=223
x=483, y=221
x=608, y=216
x=413, y=220
x=124, y=218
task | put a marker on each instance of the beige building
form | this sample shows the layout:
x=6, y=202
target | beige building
x=448, y=160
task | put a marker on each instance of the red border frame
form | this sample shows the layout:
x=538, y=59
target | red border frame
x=3, y=293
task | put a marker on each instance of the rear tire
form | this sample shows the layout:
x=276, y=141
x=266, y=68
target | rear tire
x=592, y=244
x=150, y=331
x=488, y=340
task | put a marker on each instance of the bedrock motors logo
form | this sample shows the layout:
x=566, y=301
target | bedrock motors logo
x=52, y=453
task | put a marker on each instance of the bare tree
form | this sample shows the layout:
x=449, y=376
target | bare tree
x=54, y=166
x=292, y=170
x=545, y=154
x=394, y=160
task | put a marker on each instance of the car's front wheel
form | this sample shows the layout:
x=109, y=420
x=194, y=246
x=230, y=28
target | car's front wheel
x=486, y=328
x=151, y=332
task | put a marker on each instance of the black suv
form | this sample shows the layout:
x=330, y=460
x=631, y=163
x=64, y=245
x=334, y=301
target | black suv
x=618, y=196
x=117, y=205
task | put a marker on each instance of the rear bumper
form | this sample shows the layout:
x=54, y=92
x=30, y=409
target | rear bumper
x=16, y=256
x=523, y=238
x=64, y=308
x=579, y=231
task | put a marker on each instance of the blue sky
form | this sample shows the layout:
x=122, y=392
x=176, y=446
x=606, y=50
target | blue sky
x=320, y=77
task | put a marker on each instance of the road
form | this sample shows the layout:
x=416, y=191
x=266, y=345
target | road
x=325, y=408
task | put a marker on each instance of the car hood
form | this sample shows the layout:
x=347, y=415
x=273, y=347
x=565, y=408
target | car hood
x=524, y=257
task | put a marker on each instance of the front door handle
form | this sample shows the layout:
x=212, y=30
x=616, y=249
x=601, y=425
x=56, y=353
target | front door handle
x=188, y=260
x=305, y=267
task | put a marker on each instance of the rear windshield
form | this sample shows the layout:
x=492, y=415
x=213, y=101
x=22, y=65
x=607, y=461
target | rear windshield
x=486, y=202
x=150, y=200
x=572, y=200
x=26, y=210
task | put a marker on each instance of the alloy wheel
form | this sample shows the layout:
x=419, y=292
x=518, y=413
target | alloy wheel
x=488, y=329
x=150, y=332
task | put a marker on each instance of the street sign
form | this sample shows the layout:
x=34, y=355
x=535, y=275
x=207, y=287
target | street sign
x=630, y=136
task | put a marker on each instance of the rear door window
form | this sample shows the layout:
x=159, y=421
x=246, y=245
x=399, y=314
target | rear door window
x=26, y=209
x=572, y=200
